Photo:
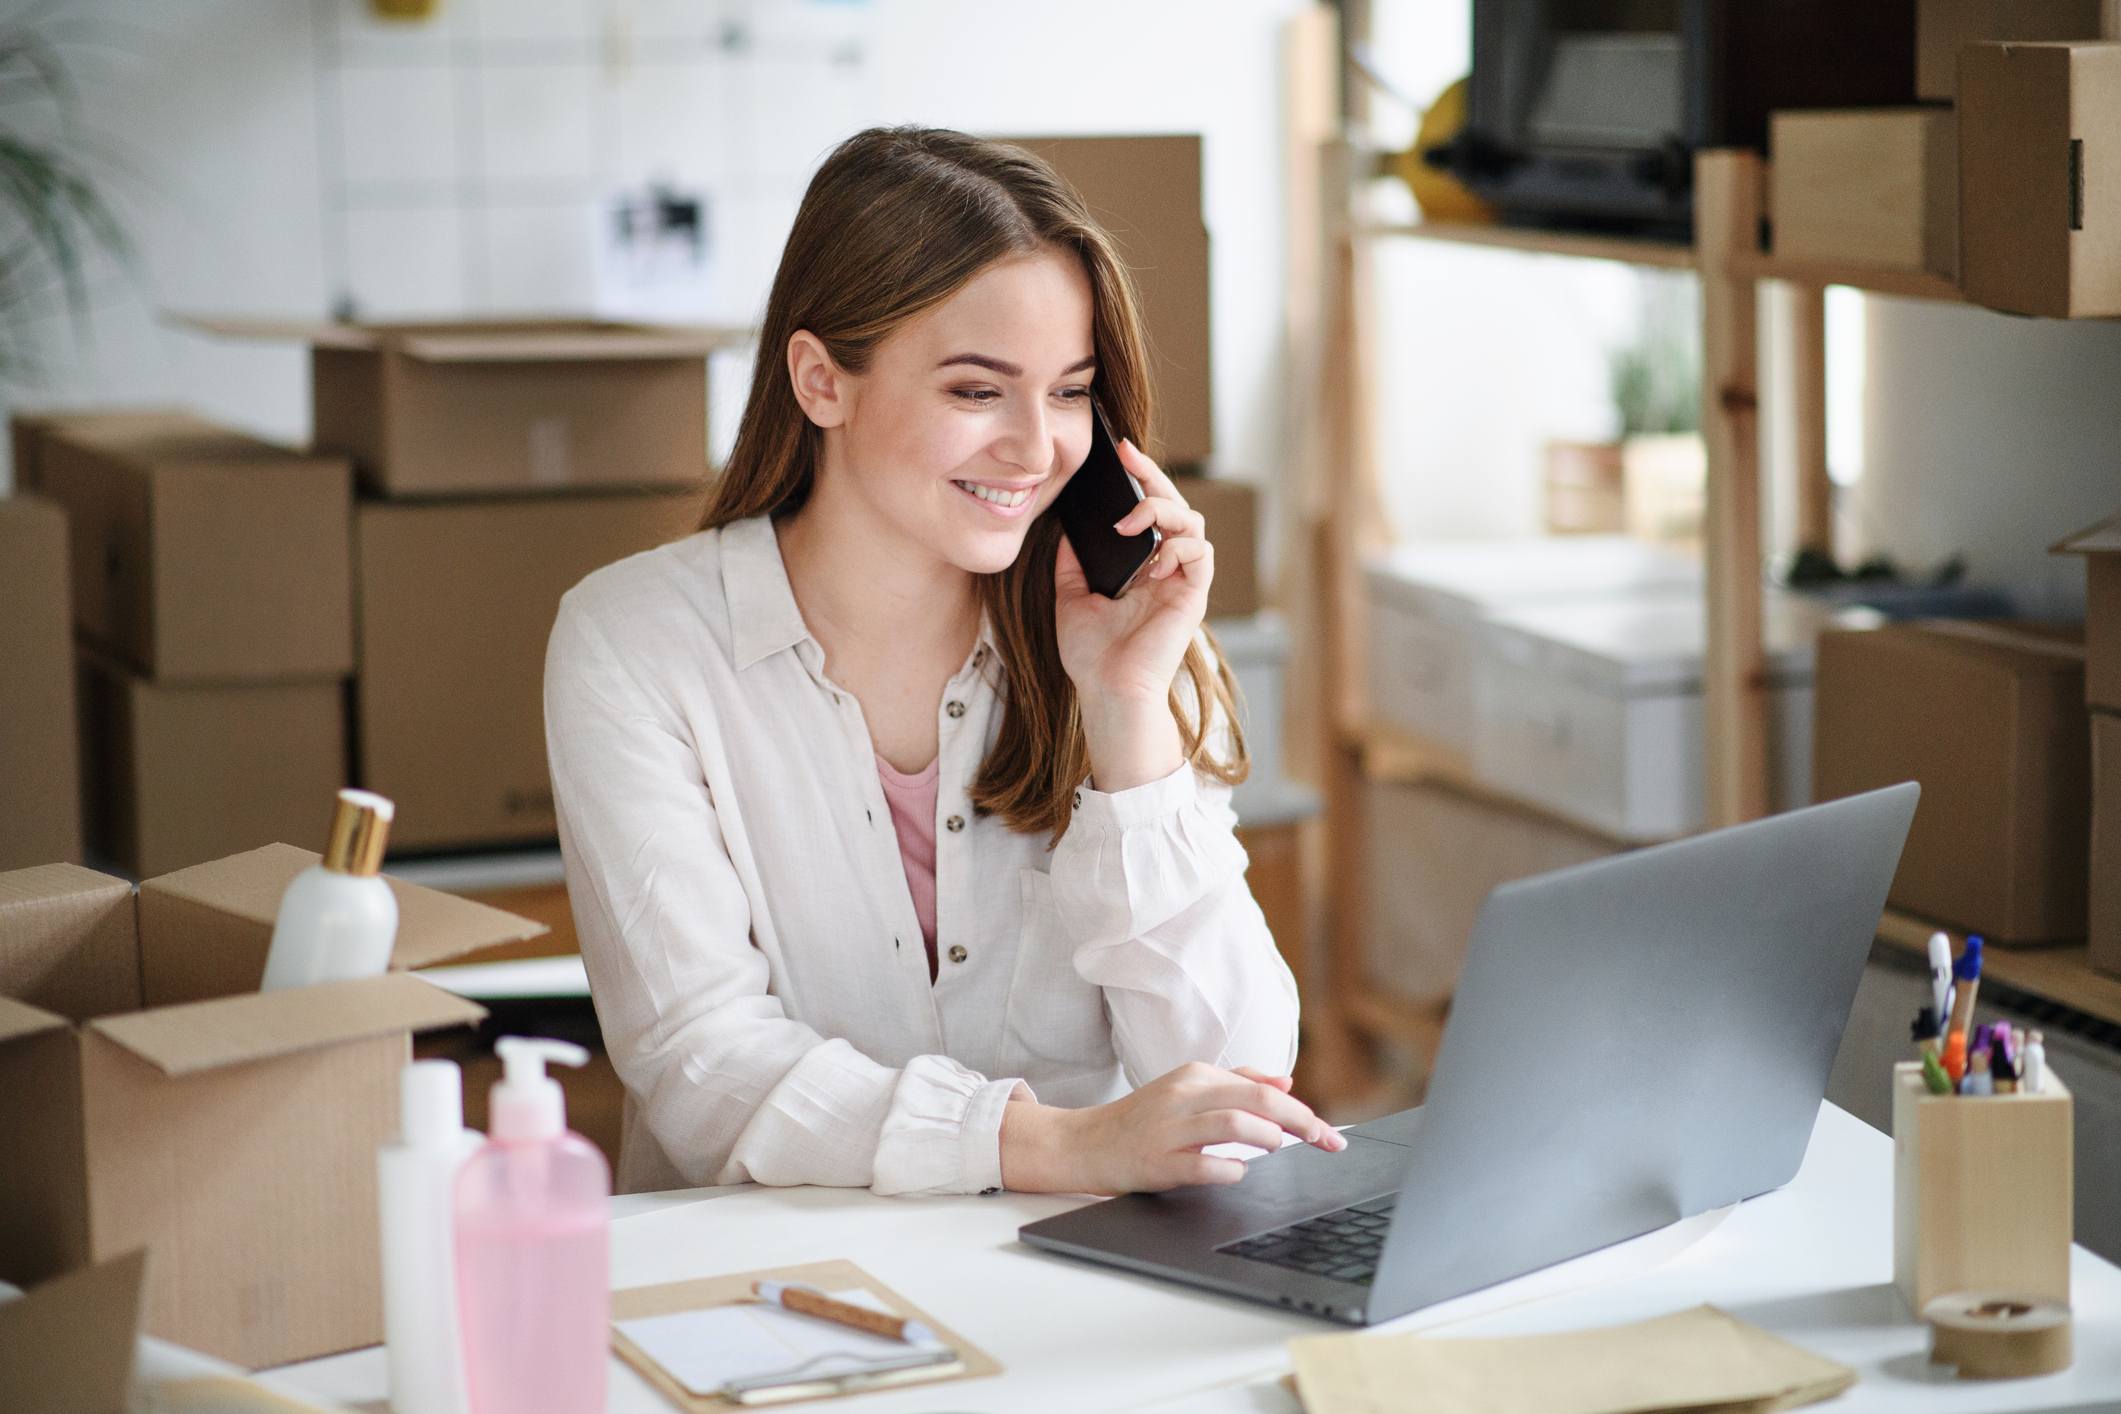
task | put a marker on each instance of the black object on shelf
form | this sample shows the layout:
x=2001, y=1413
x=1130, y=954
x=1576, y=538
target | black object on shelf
x=1589, y=112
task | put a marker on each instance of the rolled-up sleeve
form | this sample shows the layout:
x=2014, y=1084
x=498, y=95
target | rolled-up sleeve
x=733, y=1089
x=1150, y=884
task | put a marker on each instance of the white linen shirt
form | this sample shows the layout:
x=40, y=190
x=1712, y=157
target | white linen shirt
x=751, y=945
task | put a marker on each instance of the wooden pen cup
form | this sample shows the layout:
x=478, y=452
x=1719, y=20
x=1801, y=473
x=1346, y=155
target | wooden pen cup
x=1983, y=1188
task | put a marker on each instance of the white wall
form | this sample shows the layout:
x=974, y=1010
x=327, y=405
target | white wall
x=270, y=155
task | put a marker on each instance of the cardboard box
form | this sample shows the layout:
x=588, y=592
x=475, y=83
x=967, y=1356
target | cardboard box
x=457, y=602
x=27, y=431
x=1990, y=718
x=2101, y=548
x=1146, y=193
x=452, y=407
x=172, y=775
x=1866, y=186
x=40, y=768
x=69, y=1344
x=1942, y=26
x=233, y=1138
x=1231, y=508
x=2040, y=178
x=203, y=555
x=205, y=931
x=73, y=947
x=2106, y=843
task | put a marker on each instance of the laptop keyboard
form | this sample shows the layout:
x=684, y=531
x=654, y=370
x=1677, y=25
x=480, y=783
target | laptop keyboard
x=1342, y=1245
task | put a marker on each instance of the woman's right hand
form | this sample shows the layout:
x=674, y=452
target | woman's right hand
x=1150, y=1140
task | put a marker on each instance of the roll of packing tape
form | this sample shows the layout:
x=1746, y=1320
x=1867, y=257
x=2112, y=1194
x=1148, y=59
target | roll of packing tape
x=1997, y=1335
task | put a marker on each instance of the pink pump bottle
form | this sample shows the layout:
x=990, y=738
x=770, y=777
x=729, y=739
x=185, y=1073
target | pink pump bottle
x=533, y=1236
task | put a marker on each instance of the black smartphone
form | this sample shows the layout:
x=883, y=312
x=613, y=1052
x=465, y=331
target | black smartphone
x=1095, y=498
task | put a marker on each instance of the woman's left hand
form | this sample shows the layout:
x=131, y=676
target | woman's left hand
x=1128, y=649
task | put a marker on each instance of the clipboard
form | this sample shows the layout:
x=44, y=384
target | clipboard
x=639, y=1301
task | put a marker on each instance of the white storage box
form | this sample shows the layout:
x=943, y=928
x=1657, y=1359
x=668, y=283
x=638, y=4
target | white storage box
x=1257, y=649
x=1594, y=710
x=1427, y=602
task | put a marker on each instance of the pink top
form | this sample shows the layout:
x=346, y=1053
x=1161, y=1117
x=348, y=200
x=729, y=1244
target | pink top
x=912, y=802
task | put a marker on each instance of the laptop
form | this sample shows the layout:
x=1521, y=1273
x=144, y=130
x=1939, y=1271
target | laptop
x=1633, y=1041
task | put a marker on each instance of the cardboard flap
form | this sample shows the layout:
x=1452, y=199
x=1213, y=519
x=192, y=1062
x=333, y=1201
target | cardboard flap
x=69, y=1343
x=200, y=1036
x=534, y=344
x=19, y=1019
x=432, y=926
x=2101, y=539
x=2050, y=647
x=324, y=333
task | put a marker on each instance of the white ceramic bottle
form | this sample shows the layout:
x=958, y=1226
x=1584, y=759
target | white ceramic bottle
x=416, y=1187
x=338, y=918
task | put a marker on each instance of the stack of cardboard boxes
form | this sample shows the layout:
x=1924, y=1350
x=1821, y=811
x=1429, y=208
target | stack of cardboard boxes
x=153, y=1099
x=2101, y=548
x=2014, y=731
x=498, y=463
x=1997, y=180
x=212, y=608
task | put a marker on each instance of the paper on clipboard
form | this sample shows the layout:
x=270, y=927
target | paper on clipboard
x=732, y=1335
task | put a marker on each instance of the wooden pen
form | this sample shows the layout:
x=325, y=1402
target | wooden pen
x=812, y=1302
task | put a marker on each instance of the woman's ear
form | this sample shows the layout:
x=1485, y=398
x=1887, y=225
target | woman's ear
x=821, y=387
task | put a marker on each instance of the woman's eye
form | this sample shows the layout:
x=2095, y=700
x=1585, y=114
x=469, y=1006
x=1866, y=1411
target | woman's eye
x=1075, y=394
x=975, y=395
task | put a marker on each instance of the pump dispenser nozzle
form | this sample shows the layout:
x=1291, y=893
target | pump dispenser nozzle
x=528, y=1104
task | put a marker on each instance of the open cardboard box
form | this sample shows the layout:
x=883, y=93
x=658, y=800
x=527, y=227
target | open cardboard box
x=453, y=407
x=234, y=1137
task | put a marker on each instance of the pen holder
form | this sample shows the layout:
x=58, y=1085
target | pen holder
x=1983, y=1188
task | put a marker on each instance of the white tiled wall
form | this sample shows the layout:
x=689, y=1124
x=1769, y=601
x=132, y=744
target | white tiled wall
x=280, y=156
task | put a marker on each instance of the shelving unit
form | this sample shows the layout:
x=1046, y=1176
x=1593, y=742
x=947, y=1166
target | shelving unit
x=1729, y=260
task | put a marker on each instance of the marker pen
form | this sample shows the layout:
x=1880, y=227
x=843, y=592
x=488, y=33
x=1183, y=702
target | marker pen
x=1967, y=973
x=1953, y=1056
x=1941, y=974
x=1933, y=1074
x=2034, y=1079
x=1978, y=1081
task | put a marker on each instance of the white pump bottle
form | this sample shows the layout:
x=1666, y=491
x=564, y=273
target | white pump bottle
x=416, y=1185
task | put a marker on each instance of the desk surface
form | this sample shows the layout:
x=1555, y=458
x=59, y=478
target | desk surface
x=1811, y=1262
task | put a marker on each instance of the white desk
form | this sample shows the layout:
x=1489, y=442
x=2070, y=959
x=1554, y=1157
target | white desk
x=1811, y=1262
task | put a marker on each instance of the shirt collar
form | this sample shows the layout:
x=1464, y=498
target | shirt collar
x=763, y=617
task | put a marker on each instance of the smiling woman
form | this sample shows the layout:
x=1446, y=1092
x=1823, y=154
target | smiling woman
x=899, y=857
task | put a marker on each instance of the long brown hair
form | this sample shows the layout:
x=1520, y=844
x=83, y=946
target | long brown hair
x=895, y=222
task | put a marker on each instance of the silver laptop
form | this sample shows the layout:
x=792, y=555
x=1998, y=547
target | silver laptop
x=1633, y=1041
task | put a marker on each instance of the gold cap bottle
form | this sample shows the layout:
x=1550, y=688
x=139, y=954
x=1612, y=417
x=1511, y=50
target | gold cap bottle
x=360, y=827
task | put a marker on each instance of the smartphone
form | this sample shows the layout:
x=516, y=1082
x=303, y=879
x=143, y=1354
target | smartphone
x=1093, y=501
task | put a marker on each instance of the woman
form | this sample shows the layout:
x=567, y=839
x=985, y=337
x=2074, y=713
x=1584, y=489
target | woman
x=898, y=857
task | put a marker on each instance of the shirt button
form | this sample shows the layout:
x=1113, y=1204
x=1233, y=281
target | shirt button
x=1078, y=800
x=954, y=823
x=957, y=952
x=955, y=709
x=980, y=656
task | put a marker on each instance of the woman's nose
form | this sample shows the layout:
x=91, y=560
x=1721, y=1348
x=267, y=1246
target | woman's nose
x=1027, y=441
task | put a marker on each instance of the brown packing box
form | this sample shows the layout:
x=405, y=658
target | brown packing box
x=2106, y=842
x=1990, y=719
x=2101, y=548
x=40, y=782
x=2040, y=178
x=1866, y=186
x=204, y=931
x=1146, y=193
x=172, y=775
x=1942, y=26
x=70, y=945
x=69, y=1345
x=448, y=408
x=1231, y=508
x=203, y=555
x=234, y=1138
x=27, y=431
x=457, y=602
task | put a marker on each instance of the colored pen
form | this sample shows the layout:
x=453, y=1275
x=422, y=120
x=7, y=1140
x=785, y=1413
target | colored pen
x=1933, y=1074
x=1967, y=973
x=2034, y=1077
x=1941, y=974
x=812, y=1302
x=1978, y=1081
x=1925, y=1032
x=1953, y=1057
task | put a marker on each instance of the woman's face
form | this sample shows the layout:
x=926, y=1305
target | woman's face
x=974, y=414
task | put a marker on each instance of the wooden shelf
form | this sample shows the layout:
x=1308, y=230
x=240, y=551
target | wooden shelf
x=1904, y=284
x=1631, y=250
x=2062, y=975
